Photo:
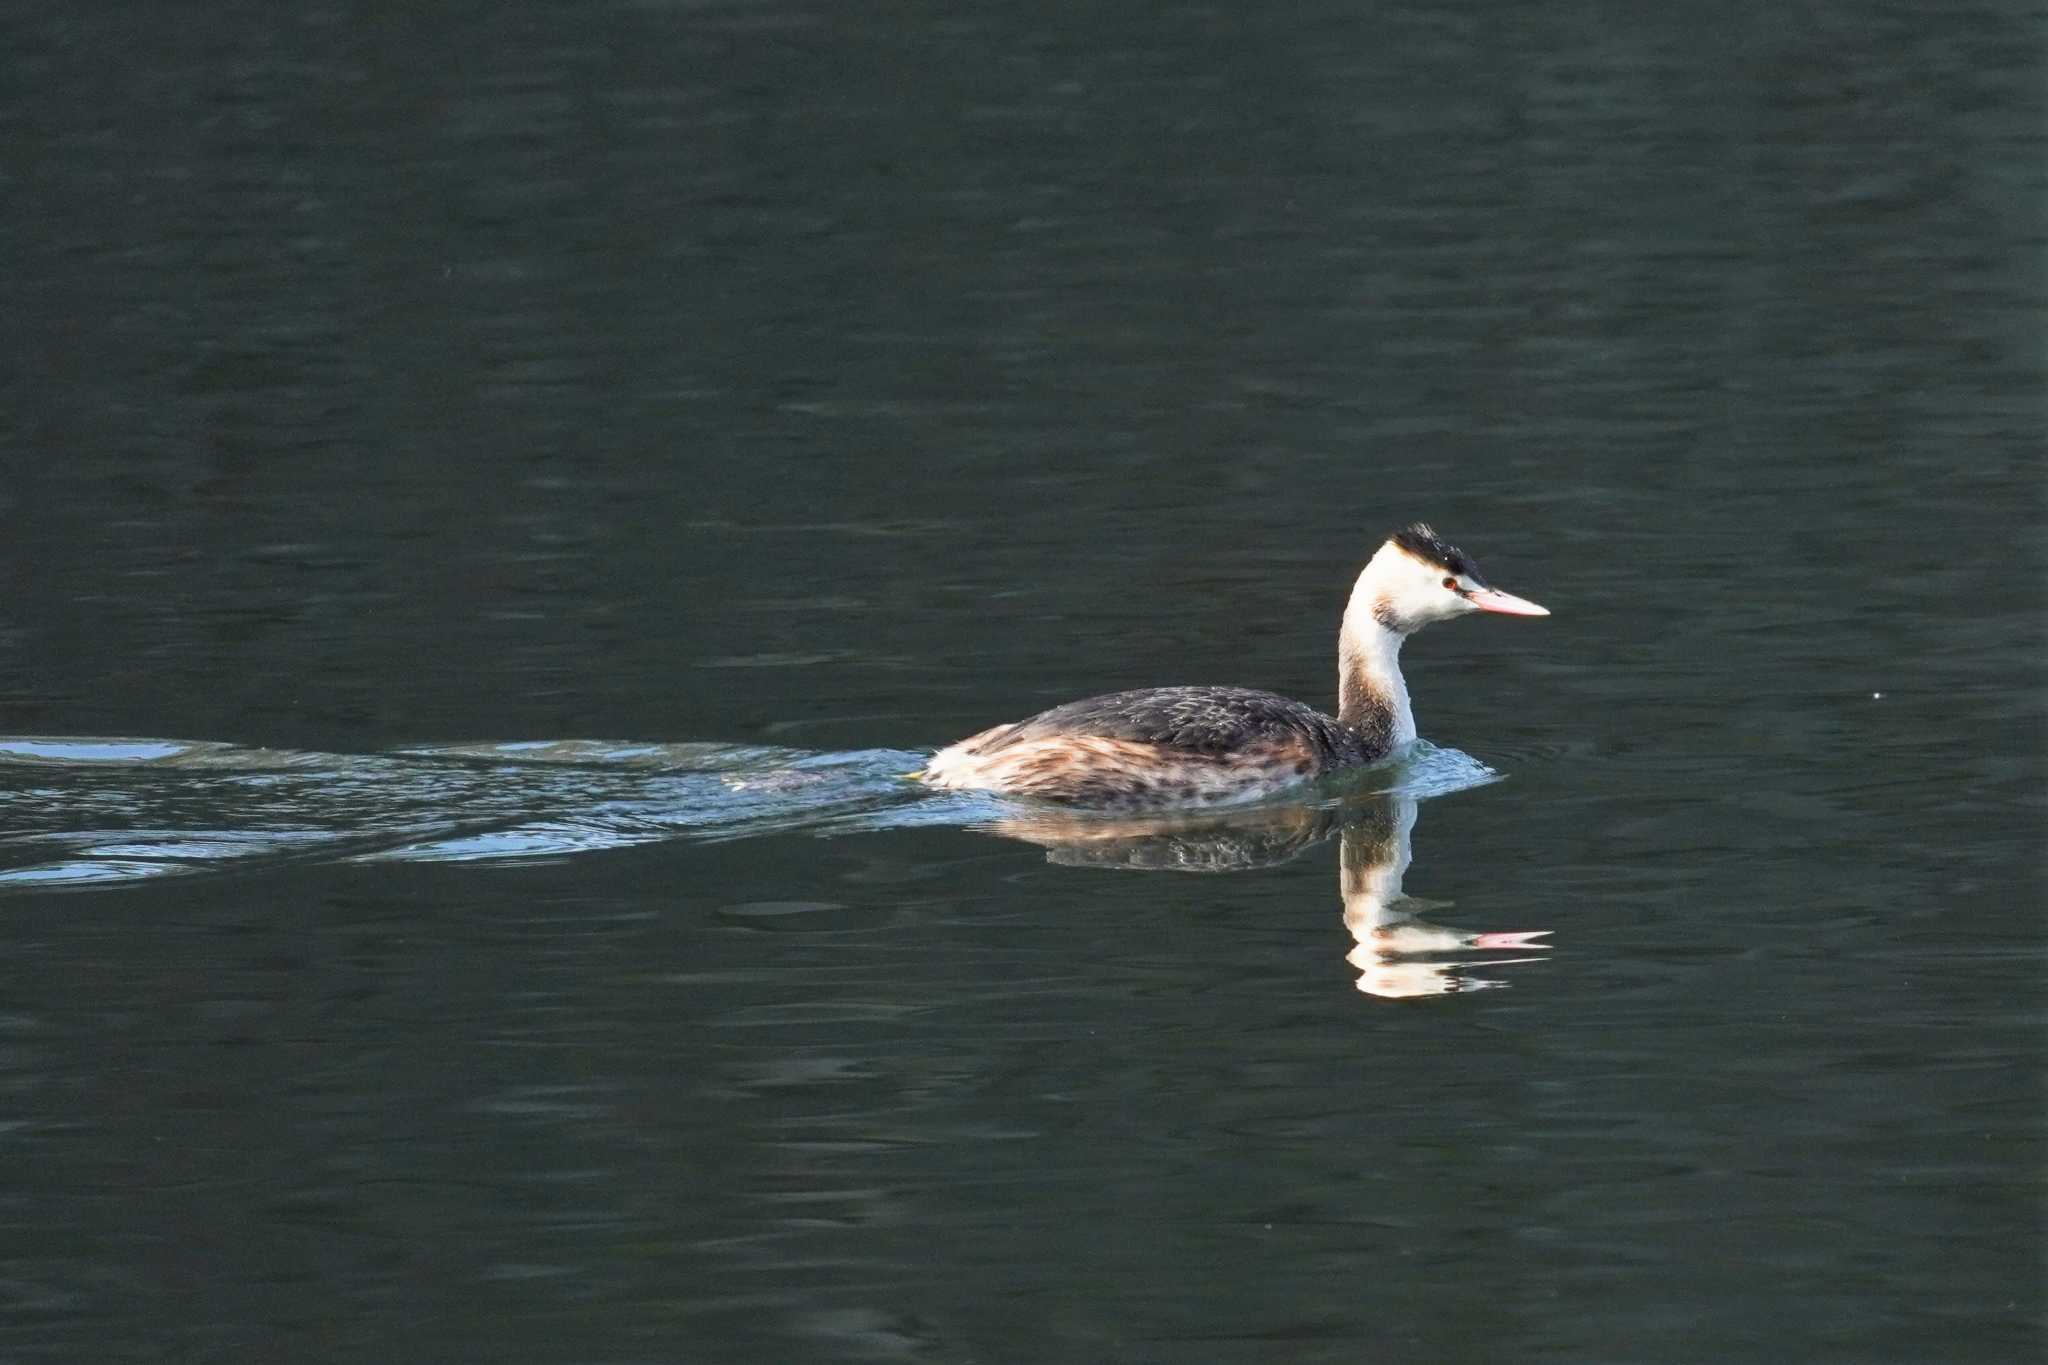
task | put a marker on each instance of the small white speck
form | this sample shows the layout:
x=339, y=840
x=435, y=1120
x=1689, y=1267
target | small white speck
x=1877, y=696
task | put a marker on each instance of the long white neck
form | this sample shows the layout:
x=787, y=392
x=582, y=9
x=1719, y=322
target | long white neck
x=1370, y=689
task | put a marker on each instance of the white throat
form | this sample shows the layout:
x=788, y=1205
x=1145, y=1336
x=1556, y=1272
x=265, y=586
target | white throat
x=1369, y=669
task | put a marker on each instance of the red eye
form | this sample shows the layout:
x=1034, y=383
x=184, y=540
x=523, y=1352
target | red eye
x=1451, y=583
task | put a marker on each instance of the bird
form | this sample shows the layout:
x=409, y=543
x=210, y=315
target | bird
x=1207, y=746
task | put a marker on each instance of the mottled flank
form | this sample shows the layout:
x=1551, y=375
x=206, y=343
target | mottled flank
x=1155, y=747
x=1426, y=545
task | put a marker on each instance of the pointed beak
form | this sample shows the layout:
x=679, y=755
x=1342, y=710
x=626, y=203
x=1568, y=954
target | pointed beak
x=1506, y=603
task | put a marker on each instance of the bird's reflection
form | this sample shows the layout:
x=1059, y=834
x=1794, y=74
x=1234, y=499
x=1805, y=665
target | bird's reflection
x=1397, y=953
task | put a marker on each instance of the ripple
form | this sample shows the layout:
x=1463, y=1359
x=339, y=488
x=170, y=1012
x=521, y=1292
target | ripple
x=113, y=810
x=64, y=751
x=1430, y=770
x=83, y=873
x=606, y=753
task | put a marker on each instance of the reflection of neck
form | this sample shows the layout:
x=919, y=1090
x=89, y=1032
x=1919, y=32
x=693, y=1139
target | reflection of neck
x=1388, y=938
x=1372, y=859
x=1371, y=696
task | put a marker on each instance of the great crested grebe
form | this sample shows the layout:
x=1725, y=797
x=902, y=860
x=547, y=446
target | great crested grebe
x=1162, y=746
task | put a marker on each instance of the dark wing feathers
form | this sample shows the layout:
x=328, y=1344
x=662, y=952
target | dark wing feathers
x=1209, y=721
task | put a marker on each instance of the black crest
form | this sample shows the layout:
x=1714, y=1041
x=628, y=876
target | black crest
x=1426, y=545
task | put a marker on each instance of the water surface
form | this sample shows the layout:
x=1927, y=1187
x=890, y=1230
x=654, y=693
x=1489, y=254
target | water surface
x=790, y=391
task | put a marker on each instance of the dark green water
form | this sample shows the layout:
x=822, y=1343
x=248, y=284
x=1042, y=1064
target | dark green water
x=522, y=484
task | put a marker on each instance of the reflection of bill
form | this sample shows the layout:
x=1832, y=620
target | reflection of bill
x=1397, y=953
